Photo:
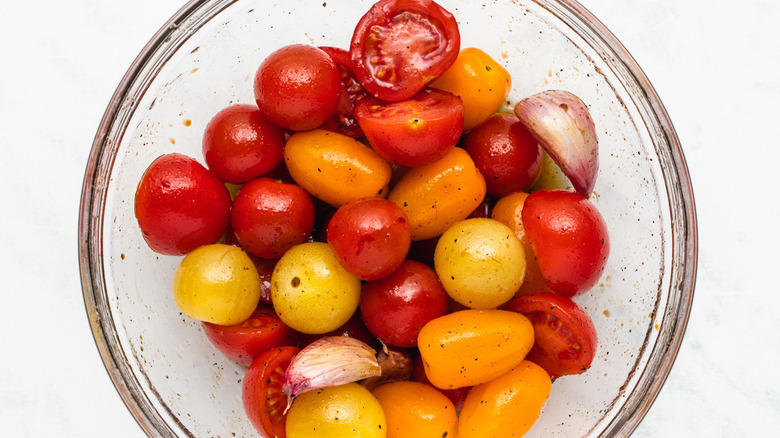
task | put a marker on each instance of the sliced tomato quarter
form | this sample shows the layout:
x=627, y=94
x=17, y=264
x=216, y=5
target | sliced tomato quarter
x=242, y=343
x=400, y=46
x=565, y=337
x=343, y=120
x=264, y=401
x=415, y=131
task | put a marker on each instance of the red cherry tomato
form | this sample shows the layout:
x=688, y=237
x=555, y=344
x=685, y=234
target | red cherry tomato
x=264, y=401
x=353, y=328
x=180, y=205
x=456, y=396
x=240, y=144
x=565, y=337
x=270, y=217
x=400, y=46
x=506, y=153
x=298, y=87
x=569, y=238
x=343, y=120
x=244, y=342
x=415, y=131
x=370, y=237
x=395, y=307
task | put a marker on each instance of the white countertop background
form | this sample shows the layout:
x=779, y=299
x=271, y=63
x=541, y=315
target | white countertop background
x=715, y=64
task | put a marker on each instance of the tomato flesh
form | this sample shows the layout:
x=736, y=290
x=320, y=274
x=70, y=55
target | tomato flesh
x=242, y=343
x=399, y=46
x=565, y=337
x=413, y=132
x=343, y=120
x=264, y=401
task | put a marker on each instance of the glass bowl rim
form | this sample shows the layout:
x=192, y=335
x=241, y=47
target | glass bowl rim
x=585, y=24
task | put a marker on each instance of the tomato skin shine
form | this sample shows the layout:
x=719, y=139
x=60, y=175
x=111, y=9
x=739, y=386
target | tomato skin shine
x=180, y=205
x=437, y=195
x=415, y=131
x=270, y=217
x=506, y=153
x=479, y=81
x=334, y=167
x=244, y=342
x=240, y=144
x=370, y=237
x=470, y=347
x=569, y=237
x=297, y=87
x=507, y=406
x=396, y=307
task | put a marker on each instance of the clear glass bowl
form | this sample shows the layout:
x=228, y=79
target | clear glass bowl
x=177, y=385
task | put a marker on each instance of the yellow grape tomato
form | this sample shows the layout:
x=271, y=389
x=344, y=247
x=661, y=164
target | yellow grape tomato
x=335, y=412
x=311, y=292
x=480, y=262
x=217, y=284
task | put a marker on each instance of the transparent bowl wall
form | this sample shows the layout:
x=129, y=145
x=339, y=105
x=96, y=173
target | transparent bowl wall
x=177, y=385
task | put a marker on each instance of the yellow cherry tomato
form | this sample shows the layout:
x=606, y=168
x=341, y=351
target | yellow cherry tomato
x=480, y=263
x=336, y=412
x=414, y=409
x=508, y=210
x=218, y=284
x=437, y=195
x=479, y=81
x=507, y=406
x=471, y=347
x=310, y=290
x=334, y=167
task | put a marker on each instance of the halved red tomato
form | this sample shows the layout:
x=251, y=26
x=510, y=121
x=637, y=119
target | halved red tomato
x=242, y=343
x=565, y=337
x=264, y=401
x=343, y=120
x=415, y=131
x=400, y=46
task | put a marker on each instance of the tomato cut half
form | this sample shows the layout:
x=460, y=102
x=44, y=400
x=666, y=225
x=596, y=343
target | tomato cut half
x=414, y=132
x=264, y=401
x=400, y=46
x=242, y=343
x=565, y=337
x=343, y=120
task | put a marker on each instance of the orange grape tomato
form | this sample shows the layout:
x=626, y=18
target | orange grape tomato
x=479, y=81
x=335, y=168
x=470, y=347
x=507, y=406
x=415, y=409
x=508, y=210
x=437, y=195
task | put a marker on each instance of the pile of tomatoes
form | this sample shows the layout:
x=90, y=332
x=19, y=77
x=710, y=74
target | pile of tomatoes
x=376, y=193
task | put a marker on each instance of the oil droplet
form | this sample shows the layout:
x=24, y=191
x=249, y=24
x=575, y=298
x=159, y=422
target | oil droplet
x=187, y=122
x=606, y=313
x=173, y=141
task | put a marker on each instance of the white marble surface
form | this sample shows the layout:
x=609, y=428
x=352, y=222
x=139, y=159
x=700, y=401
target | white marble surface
x=714, y=63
